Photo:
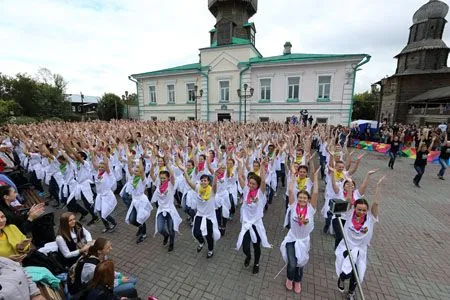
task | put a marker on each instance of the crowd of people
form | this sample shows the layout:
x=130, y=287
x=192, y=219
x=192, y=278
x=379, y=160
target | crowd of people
x=207, y=171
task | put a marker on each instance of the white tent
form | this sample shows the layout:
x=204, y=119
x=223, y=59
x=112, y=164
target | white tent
x=373, y=124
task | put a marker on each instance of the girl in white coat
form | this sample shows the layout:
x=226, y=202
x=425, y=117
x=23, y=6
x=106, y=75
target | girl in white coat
x=105, y=201
x=167, y=218
x=295, y=246
x=358, y=229
x=140, y=207
x=252, y=212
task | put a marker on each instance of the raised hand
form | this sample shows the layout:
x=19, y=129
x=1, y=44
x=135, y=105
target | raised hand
x=373, y=171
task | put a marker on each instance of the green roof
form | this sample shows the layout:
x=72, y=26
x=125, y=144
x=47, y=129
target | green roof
x=301, y=57
x=249, y=24
x=234, y=41
x=188, y=67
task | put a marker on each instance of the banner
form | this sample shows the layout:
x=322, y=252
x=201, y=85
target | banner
x=433, y=156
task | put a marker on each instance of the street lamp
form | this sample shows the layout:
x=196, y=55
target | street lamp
x=195, y=97
x=245, y=95
x=82, y=106
x=125, y=99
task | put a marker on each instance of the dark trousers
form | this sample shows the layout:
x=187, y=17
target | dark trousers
x=294, y=273
x=328, y=221
x=323, y=162
x=392, y=158
x=54, y=189
x=233, y=206
x=338, y=235
x=198, y=233
x=126, y=199
x=36, y=182
x=444, y=166
x=165, y=227
x=256, y=246
x=109, y=220
x=73, y=206
x=281, y=175
x=420, y=170
x=142, y=230
x=270, y=194
x=222, y=222
x=343, y=276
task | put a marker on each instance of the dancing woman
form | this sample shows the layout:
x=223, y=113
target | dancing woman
x=358, y=229
x=295, y=246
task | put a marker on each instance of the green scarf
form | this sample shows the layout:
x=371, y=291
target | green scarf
x=136, y=180
x=78, y=164
x=63, y=168
x=190, y=171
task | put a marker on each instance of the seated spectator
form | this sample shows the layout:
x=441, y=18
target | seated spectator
x=73, y=239
x=23, y=222
x=15, y=283
x=13, y=244
x=123, y=286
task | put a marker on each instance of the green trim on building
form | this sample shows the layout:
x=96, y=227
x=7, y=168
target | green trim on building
x=190, y=102
x=152, y=104
x=323, y=100
x=292, y=100
x=300, y=57
x=264, y=101
x=234, y=41
x=213, y=30
x=188, y=67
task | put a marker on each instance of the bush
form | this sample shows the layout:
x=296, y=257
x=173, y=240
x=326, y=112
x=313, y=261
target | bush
x=55, y=119
x=23, y=120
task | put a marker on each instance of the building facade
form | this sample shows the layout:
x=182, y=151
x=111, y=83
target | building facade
x=278, y=87
x=421, y=71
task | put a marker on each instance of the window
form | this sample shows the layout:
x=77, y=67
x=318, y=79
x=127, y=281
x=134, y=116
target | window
x=321, y=120
x=190, y=87
x=171, y=93
x=264, y=119
x=73, y=108
x=224, y=91
x=324, y=87
x=191, y=118
x=171, y=118
x=154, y=118
x=152, y=93
x=265, y=89
x=293, y=87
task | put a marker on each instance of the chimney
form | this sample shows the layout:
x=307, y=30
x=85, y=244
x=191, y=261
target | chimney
x=287, y=48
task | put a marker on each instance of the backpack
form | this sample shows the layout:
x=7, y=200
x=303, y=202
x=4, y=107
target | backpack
x=74, y=284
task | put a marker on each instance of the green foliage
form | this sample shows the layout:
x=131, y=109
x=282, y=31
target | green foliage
x=9, y=108
x=23, y=120
x=364, y=106
x=109, y=105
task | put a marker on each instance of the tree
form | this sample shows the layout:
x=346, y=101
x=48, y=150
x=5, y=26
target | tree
x=364, y=106
x=109, y=105
x=8, y=109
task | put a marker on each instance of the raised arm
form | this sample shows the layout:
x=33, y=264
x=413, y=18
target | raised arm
x=241, y=175
x=376, y=203
x=169, y=168
x=362, y=189
x=291, y=185
x=356, y=165
x=187, y=177
x=263, y=176
x=333, y=180
x=315, y=193
x=431, y=144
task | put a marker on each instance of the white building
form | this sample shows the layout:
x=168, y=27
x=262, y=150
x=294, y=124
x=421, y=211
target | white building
x=283, y=85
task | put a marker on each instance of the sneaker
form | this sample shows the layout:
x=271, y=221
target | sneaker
x=141, y=238
x=255, y=269
x=112, y=228
x=297, y=287
x=247, y=261
x=166, y=239
x=200, y=247
x=289, y=284
x=106, y=229
x=82, y=217
x=341, y=286
x=351, y=296
x=93, y=220
x=210, y=254
x=441, y=177
x=170, y=248
x=222, y=231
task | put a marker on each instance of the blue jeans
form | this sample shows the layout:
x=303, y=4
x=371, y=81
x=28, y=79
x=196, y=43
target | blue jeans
x=127, y=289
x=444, y=166
x=165, y=226
x=294, y=273
x=393, y=156
x=126, y=199
x=420, y=170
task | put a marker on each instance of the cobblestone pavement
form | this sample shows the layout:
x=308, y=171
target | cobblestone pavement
x=408, y=257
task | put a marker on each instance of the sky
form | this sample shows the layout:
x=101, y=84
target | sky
x=96, y=44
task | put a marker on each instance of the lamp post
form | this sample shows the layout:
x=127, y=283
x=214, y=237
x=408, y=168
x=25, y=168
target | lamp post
x=376, y=96
x=82, y=106
x=245, y=95
x=196, y=97
x=125, y=99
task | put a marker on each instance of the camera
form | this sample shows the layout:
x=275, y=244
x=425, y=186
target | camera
x=339, y=206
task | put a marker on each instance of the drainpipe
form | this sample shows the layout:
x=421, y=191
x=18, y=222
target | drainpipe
x=137, y=95
x=356, y=69
x=205, y=74
x=240, y=85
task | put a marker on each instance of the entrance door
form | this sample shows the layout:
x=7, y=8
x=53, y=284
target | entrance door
x=223, y=117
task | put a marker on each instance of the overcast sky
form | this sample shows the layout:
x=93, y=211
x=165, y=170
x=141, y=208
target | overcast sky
x=96, y=44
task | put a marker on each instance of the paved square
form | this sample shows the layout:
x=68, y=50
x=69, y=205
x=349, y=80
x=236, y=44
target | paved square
x=408, y=256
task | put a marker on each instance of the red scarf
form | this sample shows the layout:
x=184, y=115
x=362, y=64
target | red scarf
x=163, y=187
x=251, y=195
x=220, y=175
x=201, y=166
x=352, y=201
x=356, y=224
x=301, y=214
x=100, y=174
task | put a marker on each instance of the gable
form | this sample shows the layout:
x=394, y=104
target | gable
x=224, y=62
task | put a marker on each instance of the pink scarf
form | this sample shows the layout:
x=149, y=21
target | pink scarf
x=356, y=224
x=163, y=187
x=301, y=214
x=220, y=175
x=352, y=201
x=251, y=195
x=201, y=166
